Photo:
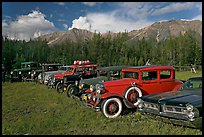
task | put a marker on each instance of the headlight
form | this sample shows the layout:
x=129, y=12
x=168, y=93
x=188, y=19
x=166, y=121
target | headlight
x=81, y=86
x=189, y=107
x=99, y=87
x=191, y=115
x=76, y=82
x=92, y=88
x=89, y=96
x=19, y=72
x=11, y=72
x=29, y=72
x=34, y=72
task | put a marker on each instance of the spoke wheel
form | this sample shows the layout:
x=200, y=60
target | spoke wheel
x=70, y=91
x=132, y=94
x=59, y=87
x=112, y=107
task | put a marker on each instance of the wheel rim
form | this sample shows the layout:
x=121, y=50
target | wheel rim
x=70, y=91
x=132, y=96
x=59, y=88
x=112, y=108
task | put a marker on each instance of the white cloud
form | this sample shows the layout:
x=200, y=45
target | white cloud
x=199, y=17
x=128, y=16
x=4, y=24
x=174, y=7
x=90, y=3
x=60, y=3
x=106, y=22
x=28, y=26
x=81, y=23
x=65, y=26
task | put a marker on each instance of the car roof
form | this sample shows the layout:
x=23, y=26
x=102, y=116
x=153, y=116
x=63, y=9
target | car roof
x=150, y=67
x=30, y=62
x=195, y=79
x=80, y=66
x=110, y=68
x=51, y=64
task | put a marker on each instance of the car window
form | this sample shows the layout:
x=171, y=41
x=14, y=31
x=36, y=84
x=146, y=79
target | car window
x=149, y=75
x=165, y=74
x=131, y=75
x=61, y=68
x=69, y=69
x=78, y=70
x=114, y=75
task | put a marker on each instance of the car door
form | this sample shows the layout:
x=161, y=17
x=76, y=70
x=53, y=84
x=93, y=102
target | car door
x=150, y=82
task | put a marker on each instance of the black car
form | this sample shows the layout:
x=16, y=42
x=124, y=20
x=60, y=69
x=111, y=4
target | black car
x=103, y=74
x=182, y=107
x=24, y=72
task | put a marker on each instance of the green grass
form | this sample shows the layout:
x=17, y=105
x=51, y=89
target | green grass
x=184, y=75
x=29, y=108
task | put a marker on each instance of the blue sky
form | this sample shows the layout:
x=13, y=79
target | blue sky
x=25, y=20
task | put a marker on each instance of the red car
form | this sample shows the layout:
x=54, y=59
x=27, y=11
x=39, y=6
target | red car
x=112, y=96
x=85, y=68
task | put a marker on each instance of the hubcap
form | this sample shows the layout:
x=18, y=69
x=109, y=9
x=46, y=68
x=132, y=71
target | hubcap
x=132, y=96
x=113, y=108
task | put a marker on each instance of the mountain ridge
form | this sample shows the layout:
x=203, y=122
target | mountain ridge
x=158, y=30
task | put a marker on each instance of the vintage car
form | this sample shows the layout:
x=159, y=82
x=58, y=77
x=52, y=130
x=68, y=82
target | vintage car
x=112, y=97
x=84, y=69
x=46, y=68
x=49, y=74
x=23, y=74
x=182, y=107
x=103, y=74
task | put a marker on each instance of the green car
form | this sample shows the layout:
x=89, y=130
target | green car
x=23, y=74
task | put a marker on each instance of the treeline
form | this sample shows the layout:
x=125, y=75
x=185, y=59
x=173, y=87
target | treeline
x=107, y=51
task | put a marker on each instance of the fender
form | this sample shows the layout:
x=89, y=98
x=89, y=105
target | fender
x=110, y=94
x=87, y=90
x=177, y=87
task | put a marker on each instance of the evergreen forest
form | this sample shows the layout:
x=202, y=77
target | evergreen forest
x=182, y=50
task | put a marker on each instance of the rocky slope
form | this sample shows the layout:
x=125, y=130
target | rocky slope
x=158, y=31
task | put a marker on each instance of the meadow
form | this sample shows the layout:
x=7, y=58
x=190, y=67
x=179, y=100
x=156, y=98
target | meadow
x=33, y=109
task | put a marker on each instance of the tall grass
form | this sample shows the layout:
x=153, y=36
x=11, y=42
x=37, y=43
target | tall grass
x=33, y=109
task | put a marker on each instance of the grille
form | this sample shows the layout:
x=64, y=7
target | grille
x=15, y=74
x=173, y=109
x=151, y=106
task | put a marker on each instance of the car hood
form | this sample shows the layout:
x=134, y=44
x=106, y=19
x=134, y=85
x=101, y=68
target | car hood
x=54, y=72
x=119, y=82
x=178, y=98
x=22, y=69
x=94, y=81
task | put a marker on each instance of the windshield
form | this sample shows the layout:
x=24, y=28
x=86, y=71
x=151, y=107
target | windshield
x=62, y=68
x=192, y=84
x=28, y=65
x=69, y=69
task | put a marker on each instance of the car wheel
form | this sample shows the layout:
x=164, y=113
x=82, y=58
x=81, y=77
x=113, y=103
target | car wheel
x=70, y=91
x=132, y=93
x=111, y=107
x=59, y=87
